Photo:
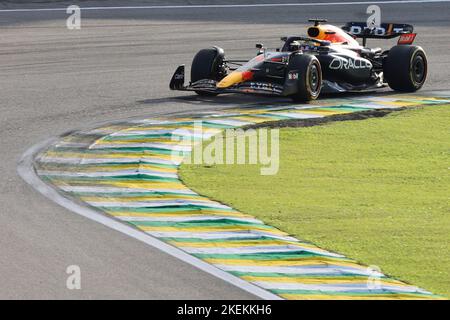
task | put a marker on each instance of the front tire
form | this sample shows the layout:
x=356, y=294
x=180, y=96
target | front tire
x=307, y=70
x=207, y=64
x=405, y=68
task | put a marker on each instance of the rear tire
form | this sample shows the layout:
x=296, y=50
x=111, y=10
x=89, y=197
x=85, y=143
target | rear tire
x=207, y=64
x=405, y=68
x=308, y=70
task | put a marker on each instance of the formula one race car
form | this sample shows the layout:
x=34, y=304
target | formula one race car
x=329, y=59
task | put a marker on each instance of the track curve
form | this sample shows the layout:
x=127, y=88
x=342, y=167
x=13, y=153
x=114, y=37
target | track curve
x=129, y=171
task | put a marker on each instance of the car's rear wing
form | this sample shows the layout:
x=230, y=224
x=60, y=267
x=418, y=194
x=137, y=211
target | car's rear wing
x=384, y=31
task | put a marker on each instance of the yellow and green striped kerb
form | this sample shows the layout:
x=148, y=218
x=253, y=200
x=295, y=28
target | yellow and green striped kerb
x=127, y=171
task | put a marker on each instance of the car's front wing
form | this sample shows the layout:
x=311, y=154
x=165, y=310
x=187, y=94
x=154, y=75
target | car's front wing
x=207, y=85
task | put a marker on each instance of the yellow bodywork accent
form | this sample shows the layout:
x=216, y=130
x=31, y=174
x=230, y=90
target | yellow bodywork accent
x=229, y=80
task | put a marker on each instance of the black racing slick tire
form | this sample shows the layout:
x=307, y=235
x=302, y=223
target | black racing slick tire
x=405, y=68
x=207, y=64
x=306, y=69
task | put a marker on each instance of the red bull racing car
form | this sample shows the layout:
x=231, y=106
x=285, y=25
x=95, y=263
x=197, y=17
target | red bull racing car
x=328, y=59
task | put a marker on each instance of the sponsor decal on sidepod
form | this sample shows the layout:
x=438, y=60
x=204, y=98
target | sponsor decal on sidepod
x=338, y=64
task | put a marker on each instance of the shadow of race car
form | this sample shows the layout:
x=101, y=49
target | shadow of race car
x=329, y=59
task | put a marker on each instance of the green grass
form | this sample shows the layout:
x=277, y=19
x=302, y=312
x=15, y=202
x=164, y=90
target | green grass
x=376, y=190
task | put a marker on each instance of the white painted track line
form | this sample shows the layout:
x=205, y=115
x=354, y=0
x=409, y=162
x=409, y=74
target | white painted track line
x=225, y=6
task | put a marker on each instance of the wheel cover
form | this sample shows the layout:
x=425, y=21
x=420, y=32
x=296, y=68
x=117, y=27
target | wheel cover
x=418, y=69
x=314, y=78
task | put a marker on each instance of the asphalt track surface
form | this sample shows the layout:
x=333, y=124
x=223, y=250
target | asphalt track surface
x=118, y=66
